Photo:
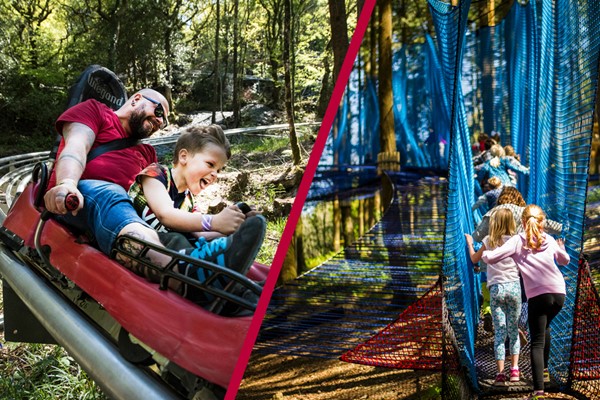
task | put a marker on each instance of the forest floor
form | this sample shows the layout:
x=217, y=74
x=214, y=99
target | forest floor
x=280, y=377
x=284, y=377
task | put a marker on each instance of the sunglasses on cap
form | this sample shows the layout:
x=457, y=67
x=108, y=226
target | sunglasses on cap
x=159, y=111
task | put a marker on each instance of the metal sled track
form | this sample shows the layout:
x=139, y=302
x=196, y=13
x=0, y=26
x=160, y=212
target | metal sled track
x=118, y=378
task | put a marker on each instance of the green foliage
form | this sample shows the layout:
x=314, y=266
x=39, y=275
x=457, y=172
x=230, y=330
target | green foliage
x=269, y=247
x=249, y=144
x=50, y=373
x=30, y=101
x=593, y=194
x=151, y=43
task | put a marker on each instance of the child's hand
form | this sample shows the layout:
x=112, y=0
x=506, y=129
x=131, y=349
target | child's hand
x=469, y=239
x=561, y=242
x=253, y=211
x=248, y=210
x=228, y=220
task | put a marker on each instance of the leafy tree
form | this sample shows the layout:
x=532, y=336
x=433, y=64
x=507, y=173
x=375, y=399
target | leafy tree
x=289, y=101
x=171, y=45
x=273, y=33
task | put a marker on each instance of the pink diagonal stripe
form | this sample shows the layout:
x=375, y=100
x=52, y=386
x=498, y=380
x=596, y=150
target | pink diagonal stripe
x=286, y=237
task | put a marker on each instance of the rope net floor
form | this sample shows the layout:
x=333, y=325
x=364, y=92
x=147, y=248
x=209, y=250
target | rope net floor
x=350, y=298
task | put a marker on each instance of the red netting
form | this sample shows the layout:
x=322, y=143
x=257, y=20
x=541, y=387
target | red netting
x=585, y=351
x=413, y=341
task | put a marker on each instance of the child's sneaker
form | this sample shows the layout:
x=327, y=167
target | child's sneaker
x=546, y=376
x=500, y=380
x=236, y=252
x=537, y=395
x=515, y=375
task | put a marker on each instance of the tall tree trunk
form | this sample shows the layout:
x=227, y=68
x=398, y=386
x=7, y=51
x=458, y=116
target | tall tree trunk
x=325, y=92
x=168, y=69
x=337, y=224
x=217, y=76
x=289, y=102
x=339, y=44
x=389, y=158
x=347, y=224
x=371, y=70
x=339, y=34
x=236, y=81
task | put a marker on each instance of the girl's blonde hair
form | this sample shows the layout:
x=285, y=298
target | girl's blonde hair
x=533, y=219
x=509, y=150
x=497, y=152
x=494, y=182
x=501, y=223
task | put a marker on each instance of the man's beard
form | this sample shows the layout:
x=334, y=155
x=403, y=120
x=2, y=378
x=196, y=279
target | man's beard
x=136, y=125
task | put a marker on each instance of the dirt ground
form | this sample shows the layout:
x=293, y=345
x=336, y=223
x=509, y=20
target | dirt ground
x=286, y=377
x=283, y=377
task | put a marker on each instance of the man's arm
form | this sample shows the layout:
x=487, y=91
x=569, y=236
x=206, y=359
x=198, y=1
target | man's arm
x=69, y=166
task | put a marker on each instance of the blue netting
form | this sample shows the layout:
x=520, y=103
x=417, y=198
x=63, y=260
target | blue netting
x=534, y=78
x=560, y=145
x=354, y=138
x=347, y=299
x=522, y=43
x=461, y=287
x=421, y=114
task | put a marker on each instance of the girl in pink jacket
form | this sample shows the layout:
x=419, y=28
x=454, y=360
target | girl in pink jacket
x=536, y=255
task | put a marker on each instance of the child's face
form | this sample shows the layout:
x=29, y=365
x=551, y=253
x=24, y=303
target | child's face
x=200, y=169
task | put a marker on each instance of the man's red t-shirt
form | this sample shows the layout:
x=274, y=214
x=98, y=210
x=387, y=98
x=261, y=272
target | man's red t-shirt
x=117, y=166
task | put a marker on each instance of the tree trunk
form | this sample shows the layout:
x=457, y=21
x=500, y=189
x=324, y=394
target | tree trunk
x=389, y=158
x=337, y=225
x=339, y=34
x=289, y=102
x=371, y=69
x=217, y=74
x=347, y=224
x=236, y=84
x=325, y=93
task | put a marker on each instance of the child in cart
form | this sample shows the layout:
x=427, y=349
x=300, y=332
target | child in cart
x=164, y=197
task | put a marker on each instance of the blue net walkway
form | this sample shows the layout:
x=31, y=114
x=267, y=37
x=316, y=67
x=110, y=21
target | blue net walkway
x=346, y=300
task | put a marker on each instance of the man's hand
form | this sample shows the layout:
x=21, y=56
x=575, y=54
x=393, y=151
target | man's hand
x=55, y=197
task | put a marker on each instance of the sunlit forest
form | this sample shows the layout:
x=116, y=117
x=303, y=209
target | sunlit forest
x=212, y=56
